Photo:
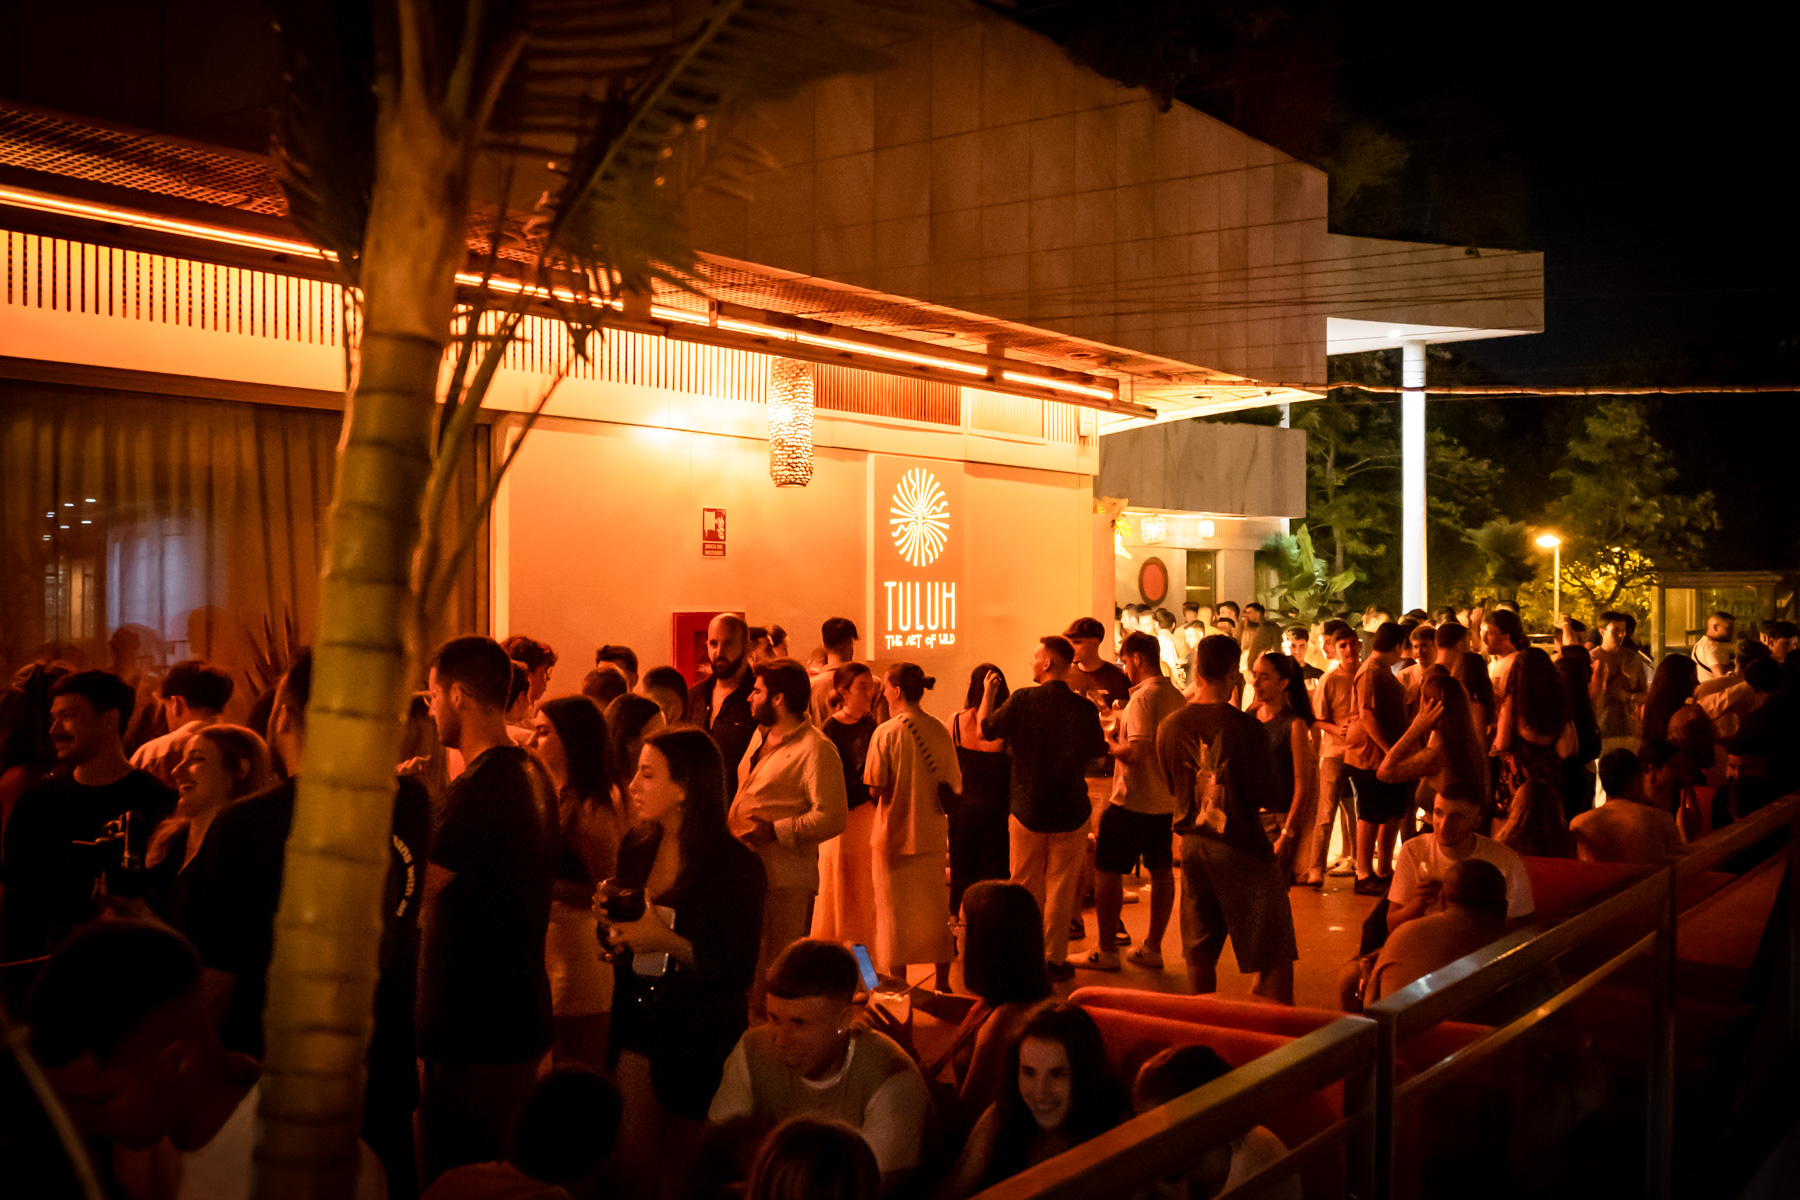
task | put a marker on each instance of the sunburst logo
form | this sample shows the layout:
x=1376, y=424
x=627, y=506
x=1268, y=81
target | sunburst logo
x=920, y=517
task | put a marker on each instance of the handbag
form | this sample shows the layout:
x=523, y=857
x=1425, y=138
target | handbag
x=946, y=795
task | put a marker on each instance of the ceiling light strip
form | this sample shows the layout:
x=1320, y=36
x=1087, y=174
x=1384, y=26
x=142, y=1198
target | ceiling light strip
x=111, y=214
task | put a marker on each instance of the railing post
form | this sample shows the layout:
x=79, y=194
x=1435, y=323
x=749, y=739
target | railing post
x=1361, y=1146
x=1383, y=1140
x=1793, y=933
x=1659, y=1167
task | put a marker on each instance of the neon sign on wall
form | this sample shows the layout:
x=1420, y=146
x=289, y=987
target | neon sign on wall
x=917, y=556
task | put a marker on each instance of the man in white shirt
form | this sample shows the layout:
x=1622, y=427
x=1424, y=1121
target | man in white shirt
x=122, y=1029
x=790, y=797
x=811, y=1059
x=1715, y=652
x=1421, y=864
x=193, y=696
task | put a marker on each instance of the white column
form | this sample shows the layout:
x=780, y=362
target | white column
x=1412, y=475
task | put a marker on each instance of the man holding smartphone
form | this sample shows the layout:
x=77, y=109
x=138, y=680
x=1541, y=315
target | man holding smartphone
x=812, y=1059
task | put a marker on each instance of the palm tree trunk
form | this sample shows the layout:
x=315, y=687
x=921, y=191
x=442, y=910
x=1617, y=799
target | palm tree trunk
x=328, y=931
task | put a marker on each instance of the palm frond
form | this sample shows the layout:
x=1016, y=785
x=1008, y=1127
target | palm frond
x=324, y=146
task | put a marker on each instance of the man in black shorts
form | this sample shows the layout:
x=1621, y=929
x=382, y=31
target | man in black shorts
x=1222, y=776
x=1137, y=821
x=1380, y=720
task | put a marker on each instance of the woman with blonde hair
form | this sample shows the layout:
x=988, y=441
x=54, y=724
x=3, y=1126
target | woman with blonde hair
x=221, y=765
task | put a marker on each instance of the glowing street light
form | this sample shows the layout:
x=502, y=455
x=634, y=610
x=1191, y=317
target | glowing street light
x=1551, y=542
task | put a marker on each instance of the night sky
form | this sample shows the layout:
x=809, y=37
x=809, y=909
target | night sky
x=1650, y=160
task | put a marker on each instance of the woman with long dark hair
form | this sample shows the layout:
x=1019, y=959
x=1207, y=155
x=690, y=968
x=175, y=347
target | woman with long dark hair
x=1060, y=1091
x=1535, y=824
x=1533, y=733
x=1471, y=671
x=1286, y=712
x=1003, y=965
x=570, y=738
x=630, y=719
x=1672, y=716
x=845, y=908
x=26, y=755
x=980, y=847
x=683, y=919
x=1575, y=666
x=1442, y=747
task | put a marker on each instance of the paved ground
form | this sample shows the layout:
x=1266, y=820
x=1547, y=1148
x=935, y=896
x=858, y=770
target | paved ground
x=1327, y=926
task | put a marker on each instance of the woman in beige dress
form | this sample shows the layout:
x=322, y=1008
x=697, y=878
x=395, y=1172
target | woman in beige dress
x=911, y=762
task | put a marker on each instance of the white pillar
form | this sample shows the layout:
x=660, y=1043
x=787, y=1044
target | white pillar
x=1412, y=475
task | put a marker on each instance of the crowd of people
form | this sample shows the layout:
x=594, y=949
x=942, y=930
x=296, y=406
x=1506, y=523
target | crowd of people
x=637, y=939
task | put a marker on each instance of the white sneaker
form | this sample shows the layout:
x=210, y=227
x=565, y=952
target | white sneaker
x=1145, y=956
x=1096, y=960
x=1343, y=866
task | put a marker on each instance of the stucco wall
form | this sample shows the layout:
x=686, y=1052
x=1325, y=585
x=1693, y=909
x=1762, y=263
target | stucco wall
x=599, y=541
x=1206, y=467
x=988, y=172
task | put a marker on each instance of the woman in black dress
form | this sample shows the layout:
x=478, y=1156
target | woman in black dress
x=979, y=842
x=683, y=919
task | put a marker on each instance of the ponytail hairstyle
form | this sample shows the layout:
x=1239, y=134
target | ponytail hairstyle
x=911, y=680
x=1293, y=681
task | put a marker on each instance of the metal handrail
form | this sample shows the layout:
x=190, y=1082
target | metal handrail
x=1714, y=849
x=1448, y=991
x=1478, y=976
x=1360, y=1052
x=1467, y=1056
x=1451, y=989
x=1164, y=1140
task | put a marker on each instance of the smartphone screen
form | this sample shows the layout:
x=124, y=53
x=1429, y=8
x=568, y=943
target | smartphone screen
x=866, y=966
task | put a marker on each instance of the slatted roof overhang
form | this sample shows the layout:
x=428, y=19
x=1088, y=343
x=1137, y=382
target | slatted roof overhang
x=75, y=177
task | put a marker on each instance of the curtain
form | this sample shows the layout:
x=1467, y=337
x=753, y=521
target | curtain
x=140, y=530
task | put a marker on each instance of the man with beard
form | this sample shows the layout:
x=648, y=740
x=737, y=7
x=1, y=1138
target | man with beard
x=483, y=992
x=720, y=704
x=49, y=880
x=791, y=797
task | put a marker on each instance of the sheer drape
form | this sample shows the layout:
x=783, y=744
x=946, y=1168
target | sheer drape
x=140, y=530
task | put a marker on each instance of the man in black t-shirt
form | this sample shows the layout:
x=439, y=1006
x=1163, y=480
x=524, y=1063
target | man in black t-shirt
x=1218, y=764
x=228, y=912
x=1091, y=676
x=484, y=995
x=1053, y=734
x=720, y=703
x=49, y=881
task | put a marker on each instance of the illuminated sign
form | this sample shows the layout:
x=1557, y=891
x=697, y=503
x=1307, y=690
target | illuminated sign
x=919, y=517
x=917, y=556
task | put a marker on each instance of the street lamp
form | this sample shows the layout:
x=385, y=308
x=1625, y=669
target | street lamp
x=1550, y=541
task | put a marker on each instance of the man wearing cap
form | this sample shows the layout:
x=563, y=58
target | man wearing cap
x=1093, y=677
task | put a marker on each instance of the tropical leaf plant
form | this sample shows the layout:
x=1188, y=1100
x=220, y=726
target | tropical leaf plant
x=567, y=134
x=1509, y=561
x=1303, y=580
